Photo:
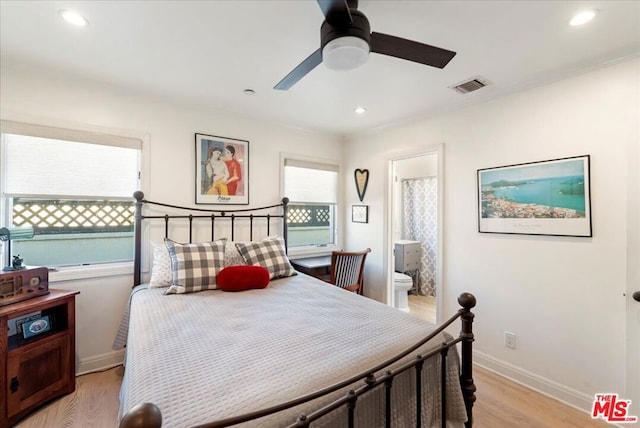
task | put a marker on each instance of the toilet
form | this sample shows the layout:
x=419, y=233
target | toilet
x=401, y=285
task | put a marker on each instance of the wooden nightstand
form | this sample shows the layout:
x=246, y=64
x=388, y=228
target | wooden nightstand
x=41, y=367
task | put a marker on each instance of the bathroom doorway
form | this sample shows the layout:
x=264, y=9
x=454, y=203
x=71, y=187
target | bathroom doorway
x=415, y=233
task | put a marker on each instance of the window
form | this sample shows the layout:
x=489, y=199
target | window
x=74, y=189
x=312, y=189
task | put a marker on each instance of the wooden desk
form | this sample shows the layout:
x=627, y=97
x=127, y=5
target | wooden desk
x=315, y=266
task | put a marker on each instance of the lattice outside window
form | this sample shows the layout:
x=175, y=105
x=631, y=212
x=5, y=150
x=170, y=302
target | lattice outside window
x=308, y=215
x=61, y=216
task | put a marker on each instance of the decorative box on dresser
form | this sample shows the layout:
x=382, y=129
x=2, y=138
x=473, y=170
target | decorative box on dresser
x=39, y=368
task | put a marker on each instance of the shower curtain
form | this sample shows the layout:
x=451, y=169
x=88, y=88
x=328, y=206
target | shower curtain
x=420, y=223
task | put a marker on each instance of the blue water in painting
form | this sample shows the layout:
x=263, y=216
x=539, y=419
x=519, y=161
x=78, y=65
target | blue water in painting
x=547, y=191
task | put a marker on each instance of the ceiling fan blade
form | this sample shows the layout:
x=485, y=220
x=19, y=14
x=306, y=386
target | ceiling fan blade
x=300, y=71
x=410, y=50
x=336, y=12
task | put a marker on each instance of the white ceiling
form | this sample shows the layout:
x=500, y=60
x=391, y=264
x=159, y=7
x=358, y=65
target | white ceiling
x=208, y=52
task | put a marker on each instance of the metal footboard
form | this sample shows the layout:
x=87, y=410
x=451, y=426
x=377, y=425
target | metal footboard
x=149, y=416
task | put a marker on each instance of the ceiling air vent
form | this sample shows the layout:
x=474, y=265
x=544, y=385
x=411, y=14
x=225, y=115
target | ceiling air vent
x=471, y=85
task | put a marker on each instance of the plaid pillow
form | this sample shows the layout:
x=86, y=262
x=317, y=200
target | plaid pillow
x=269, y=253
x=195, y=266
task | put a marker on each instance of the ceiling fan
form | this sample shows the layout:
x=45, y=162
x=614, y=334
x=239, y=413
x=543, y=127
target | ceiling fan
x=346, y=40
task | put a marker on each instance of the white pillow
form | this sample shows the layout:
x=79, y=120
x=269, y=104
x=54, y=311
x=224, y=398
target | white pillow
x=231, y=255
x=161, y=275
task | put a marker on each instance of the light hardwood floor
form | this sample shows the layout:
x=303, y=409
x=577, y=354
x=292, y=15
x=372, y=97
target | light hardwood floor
x=500, y=403
x=423, y=307
x=94, y=404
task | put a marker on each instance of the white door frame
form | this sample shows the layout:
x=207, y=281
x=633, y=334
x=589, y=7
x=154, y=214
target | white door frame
x=387, y=258
x=632, y=369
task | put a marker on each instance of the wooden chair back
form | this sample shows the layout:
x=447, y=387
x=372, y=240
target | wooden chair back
x=347, y=269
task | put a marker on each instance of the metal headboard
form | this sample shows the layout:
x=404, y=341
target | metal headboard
x=213, y=216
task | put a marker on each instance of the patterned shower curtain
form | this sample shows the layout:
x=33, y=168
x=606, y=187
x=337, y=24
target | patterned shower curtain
x=420, y=223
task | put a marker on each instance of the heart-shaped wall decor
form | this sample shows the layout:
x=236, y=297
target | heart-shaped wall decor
x=362, y=179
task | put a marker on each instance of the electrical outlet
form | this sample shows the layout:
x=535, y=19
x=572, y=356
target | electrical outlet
x=510, y=340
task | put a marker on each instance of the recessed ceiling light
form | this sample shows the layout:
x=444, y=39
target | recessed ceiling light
x=360, y=110
x=73, y=18
x=583, y=17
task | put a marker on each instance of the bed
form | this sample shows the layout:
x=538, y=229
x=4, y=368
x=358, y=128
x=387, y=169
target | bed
x=297, y=352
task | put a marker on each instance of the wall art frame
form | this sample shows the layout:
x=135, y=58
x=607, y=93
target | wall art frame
x=360, y=213
x=361, y=177
x=222, y=170
x=551, y=197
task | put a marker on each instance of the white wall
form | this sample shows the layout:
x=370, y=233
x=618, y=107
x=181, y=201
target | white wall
x=168, y=129
x=416, y=167
x=562, y=296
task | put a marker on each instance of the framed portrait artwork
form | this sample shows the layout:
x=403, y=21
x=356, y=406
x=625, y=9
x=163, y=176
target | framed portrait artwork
x=538, y=198
x=222, y=170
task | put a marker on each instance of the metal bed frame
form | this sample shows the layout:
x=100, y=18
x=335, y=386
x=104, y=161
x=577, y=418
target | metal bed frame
x=149, y=416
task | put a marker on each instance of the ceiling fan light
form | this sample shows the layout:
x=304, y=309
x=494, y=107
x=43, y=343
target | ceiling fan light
x=345, y=53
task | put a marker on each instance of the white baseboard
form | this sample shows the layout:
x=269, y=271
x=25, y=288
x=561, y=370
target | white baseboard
x=100, y=362
x=562, y=393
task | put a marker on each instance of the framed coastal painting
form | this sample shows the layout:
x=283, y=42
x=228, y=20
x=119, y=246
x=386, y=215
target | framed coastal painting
x=537, y=198
x=222, y=170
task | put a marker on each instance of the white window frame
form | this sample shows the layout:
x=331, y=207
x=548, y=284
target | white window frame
x=85, y=134
x=314, y=250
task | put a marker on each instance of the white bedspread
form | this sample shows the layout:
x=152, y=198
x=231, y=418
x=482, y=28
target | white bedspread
x=213, y=354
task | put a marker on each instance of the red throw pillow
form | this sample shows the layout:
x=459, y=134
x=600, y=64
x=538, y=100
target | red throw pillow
x=242, y=277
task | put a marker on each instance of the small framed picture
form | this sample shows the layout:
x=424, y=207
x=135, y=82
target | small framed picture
x=25, y=319
x=36, y=327
x=360, y=213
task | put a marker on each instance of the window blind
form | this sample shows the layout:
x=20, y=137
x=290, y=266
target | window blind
x=31, y=130
x=311, y=185
x=310, y=165
x=36, y=166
